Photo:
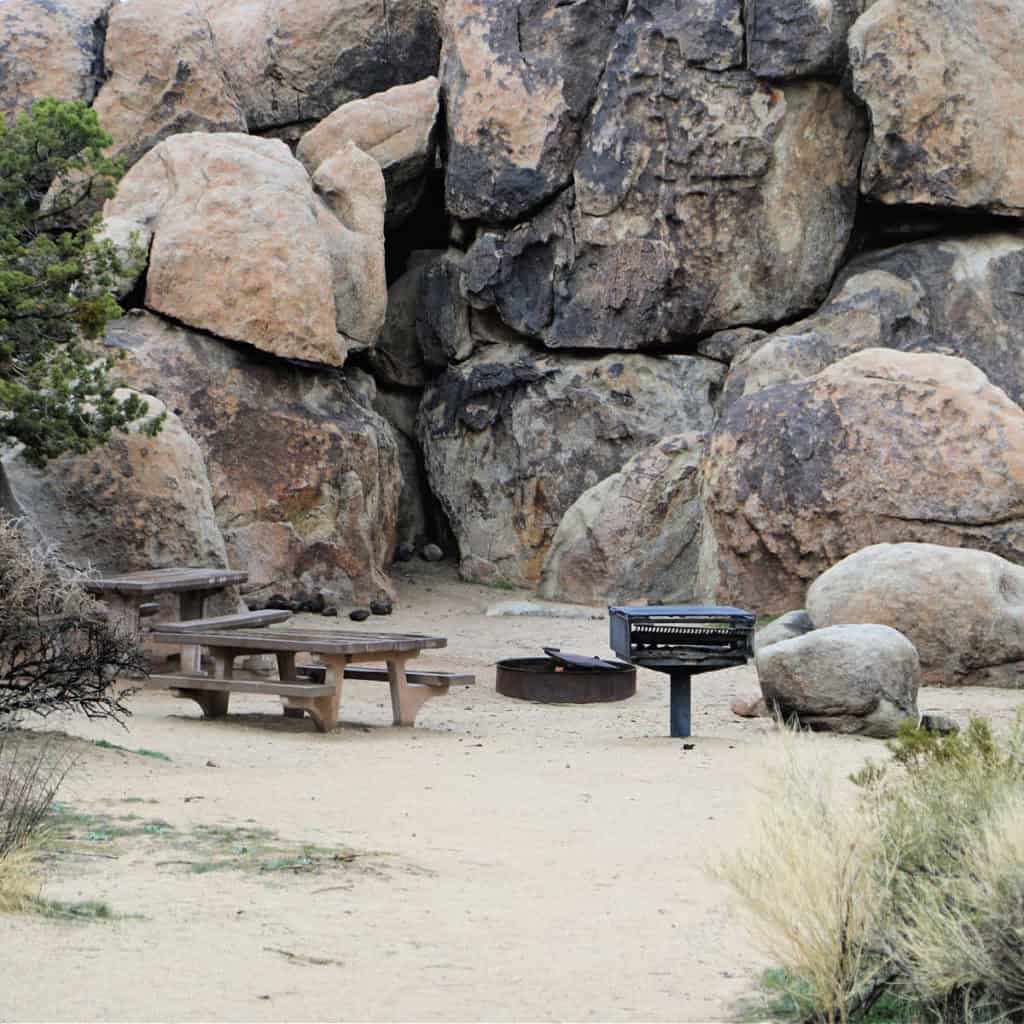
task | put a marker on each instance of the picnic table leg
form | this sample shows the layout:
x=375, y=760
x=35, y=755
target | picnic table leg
x=191, y=605
x=323, y=710
x=214, y=703
x=124, y=612
x=286, y=670
x=407, y=699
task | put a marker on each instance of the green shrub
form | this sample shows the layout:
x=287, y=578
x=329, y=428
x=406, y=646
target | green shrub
x=909, y=888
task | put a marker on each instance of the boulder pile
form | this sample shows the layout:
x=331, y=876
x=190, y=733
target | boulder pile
x=617, y=300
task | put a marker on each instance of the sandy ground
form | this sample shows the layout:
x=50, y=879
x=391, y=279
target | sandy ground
x=514, y=861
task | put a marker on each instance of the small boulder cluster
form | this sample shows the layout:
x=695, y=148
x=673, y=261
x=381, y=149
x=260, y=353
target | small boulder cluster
x=883, y=622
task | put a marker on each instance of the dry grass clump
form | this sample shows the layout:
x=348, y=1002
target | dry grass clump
x=57, y=651
x=31, y=771
x=908, y=890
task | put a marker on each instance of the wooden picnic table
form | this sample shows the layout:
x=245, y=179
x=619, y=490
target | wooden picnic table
x=335, y=648
x=127, y=592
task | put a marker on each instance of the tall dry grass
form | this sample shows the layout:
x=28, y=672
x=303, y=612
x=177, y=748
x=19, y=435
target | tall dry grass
x=32, y=769
x=909, y=885
x=810, y=882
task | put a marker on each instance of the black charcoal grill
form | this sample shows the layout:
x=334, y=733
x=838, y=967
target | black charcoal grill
x=682, y=640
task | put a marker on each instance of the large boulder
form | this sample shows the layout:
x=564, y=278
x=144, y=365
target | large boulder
x=396, y=128
x=137, y=502
x=294, y=61
x=304, y=475
x=944, y=82
x=706, y=200
x=512, y=438
x=241, y=246
x=881, y=446
x=794, y=38
x=953, y=296
x=851, y=679
x=50, y=48
x=163, y=76
x=519, y=77
x=962, y=609
x=635, y=535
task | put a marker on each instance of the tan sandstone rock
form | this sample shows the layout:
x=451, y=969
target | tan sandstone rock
x=962, y=609
x=944, y=82
x=135, y=503
x=396, y=128
x=635, y=535
x=238, y=249
x=164, y=76
x=881, y=446
x=50, y=48
x=304, y=476
x=352, y=186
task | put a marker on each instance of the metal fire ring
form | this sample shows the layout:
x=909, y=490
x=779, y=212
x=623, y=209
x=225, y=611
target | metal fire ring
x=541, y=680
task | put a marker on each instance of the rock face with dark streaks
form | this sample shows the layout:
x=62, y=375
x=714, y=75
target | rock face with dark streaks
x=519, y=77
x=512, y=438
x=702, y=199
x=881, y=446
x=954, y=296
x=795, y=38
x=294, y=61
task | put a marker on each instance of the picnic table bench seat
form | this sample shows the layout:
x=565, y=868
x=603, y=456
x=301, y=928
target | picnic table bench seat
x=238, y=620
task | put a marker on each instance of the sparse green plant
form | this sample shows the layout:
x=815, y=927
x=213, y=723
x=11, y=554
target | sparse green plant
x=906, y=893
x=57, y=279
x=141, y=751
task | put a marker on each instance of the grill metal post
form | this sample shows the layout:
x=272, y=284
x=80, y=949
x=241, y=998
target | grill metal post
x=679, y=706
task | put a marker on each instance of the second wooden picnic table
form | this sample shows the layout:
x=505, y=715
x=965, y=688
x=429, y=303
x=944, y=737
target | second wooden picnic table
x=335, y=648
x=125, y=593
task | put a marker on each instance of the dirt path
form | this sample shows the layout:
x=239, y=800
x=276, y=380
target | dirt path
x=512, y=861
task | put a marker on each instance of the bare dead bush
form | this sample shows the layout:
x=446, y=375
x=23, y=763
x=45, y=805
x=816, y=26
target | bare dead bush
x=57, y=651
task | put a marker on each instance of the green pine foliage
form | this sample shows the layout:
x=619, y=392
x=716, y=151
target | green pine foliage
x=57, y=278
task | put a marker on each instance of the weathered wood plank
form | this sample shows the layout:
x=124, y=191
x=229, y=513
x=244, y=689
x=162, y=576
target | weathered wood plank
x=182, y=681
x=315, y=641
x=421, y=677
x=155, y=581
x=239, y=620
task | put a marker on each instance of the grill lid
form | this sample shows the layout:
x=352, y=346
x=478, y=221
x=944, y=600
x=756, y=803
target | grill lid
x=678, y=610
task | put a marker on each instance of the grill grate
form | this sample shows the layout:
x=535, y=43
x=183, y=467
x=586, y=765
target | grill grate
x=681, y=635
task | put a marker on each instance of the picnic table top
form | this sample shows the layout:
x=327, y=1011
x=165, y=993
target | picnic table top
x=316, y=641
x=159, y=581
